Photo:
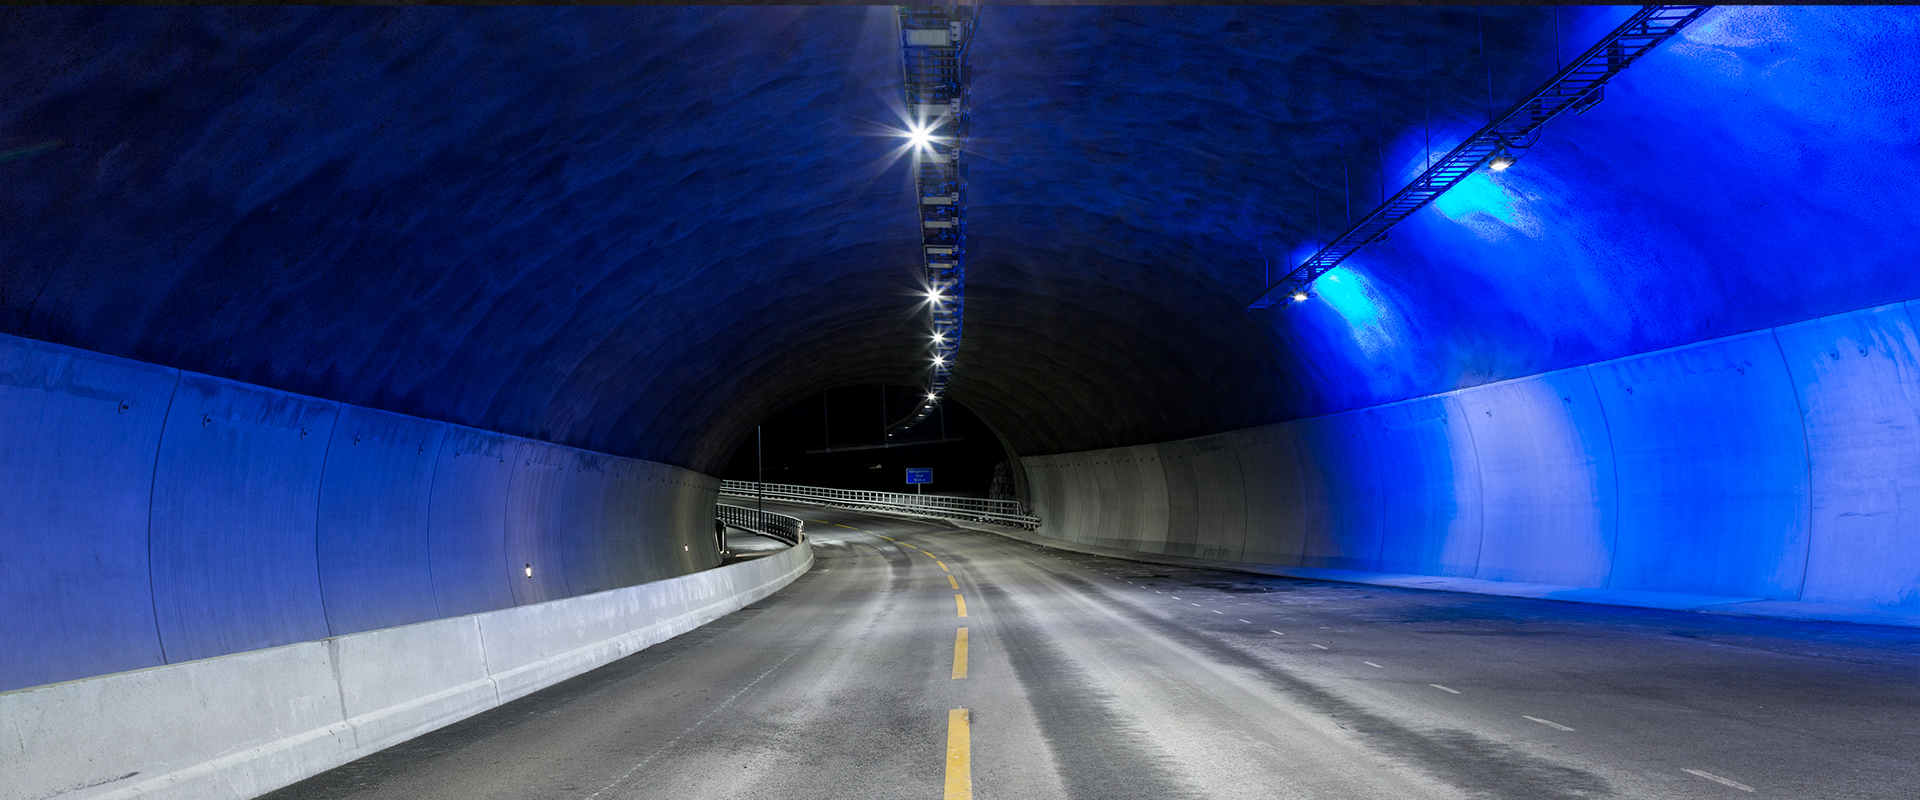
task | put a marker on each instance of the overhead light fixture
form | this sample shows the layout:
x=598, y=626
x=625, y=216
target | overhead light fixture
x=1300, y=295
x=1502, y=159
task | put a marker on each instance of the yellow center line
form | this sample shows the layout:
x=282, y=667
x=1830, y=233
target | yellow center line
x=956, y=584
x=888, y=538
x=960, y=654
x=960, y=603
x=943, y=564
x=959, y=756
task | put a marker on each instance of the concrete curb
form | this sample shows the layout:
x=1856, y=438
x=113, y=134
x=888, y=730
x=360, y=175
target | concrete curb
x=1668, y=601
x=241, y=725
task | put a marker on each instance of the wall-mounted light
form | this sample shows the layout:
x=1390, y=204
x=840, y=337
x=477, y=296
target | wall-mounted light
x=529, y=570
x=1502, y=159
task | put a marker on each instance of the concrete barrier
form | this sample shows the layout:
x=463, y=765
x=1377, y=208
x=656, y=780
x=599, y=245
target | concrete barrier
x=1780, y=466
x=152, y=516
x=239, y=725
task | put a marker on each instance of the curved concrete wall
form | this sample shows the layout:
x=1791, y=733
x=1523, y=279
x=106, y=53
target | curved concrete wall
x=1781, y=464
x=152, y=516
x=236, y=726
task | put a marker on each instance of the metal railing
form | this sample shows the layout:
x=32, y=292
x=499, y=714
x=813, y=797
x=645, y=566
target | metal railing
x=1002, y=512
x=1575, y=88
x=791, y=530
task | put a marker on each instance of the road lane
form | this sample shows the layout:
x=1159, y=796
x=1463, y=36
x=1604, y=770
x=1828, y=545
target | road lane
x=1083, y=677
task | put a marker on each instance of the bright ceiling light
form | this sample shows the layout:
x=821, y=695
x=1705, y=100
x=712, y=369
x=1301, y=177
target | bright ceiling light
x=1299, y=295
x=919, y=136
x=1502, y=159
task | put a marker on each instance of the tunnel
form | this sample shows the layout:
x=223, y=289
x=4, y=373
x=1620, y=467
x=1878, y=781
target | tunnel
x=362, y=367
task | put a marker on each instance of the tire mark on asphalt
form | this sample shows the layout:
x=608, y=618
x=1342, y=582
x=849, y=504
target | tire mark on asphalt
x=1462, y=759
x=1100, y=753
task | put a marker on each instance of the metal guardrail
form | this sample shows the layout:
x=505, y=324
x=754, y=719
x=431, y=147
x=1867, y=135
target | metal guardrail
x=791, y=530
x=1001, y=512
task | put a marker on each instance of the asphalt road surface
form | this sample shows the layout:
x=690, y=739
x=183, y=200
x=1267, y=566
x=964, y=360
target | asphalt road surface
x=1085, y=677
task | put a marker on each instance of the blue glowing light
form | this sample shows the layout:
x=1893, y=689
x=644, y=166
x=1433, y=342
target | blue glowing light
x=1348, y=295
x=1477, y=193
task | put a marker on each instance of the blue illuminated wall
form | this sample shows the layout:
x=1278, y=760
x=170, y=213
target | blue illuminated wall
x=1672, y=349
x=151, y=516
x=1780, y=464
x=1754, y=171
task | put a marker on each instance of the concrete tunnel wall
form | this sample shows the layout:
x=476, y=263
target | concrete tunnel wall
x=151, y=516
x=279, y=197
x=1781, y=464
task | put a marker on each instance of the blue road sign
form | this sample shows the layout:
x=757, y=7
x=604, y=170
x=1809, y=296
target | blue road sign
x=919, y=476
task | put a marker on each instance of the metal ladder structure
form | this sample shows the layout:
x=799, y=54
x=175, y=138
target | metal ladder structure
x=935, y=41
x=1575, y=88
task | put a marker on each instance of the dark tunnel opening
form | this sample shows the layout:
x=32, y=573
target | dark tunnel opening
x=838, y=439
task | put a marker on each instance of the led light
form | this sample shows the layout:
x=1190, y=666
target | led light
x=1299, y=295
x=529, y=570
x=932, y=396
x=919, y=136
x=1502, y=159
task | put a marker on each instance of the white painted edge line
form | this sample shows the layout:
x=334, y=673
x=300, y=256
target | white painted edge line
x=1321, y=646
x=1554, y=725
x=1443, y=688
x=1719, y=780
x=1371, y=664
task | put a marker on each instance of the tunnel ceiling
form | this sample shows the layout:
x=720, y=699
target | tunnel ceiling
x=641, y=230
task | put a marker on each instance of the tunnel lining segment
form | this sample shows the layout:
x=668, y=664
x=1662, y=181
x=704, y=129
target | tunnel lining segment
x=1776, y=467
x=288, y=713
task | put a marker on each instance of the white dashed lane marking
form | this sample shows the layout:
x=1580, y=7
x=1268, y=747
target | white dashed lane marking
x=1371, y=664
x=1554, y=725
x=1719, y=780
x=1444, y=689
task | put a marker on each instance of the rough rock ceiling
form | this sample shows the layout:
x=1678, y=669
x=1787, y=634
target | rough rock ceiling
x=641, y=230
